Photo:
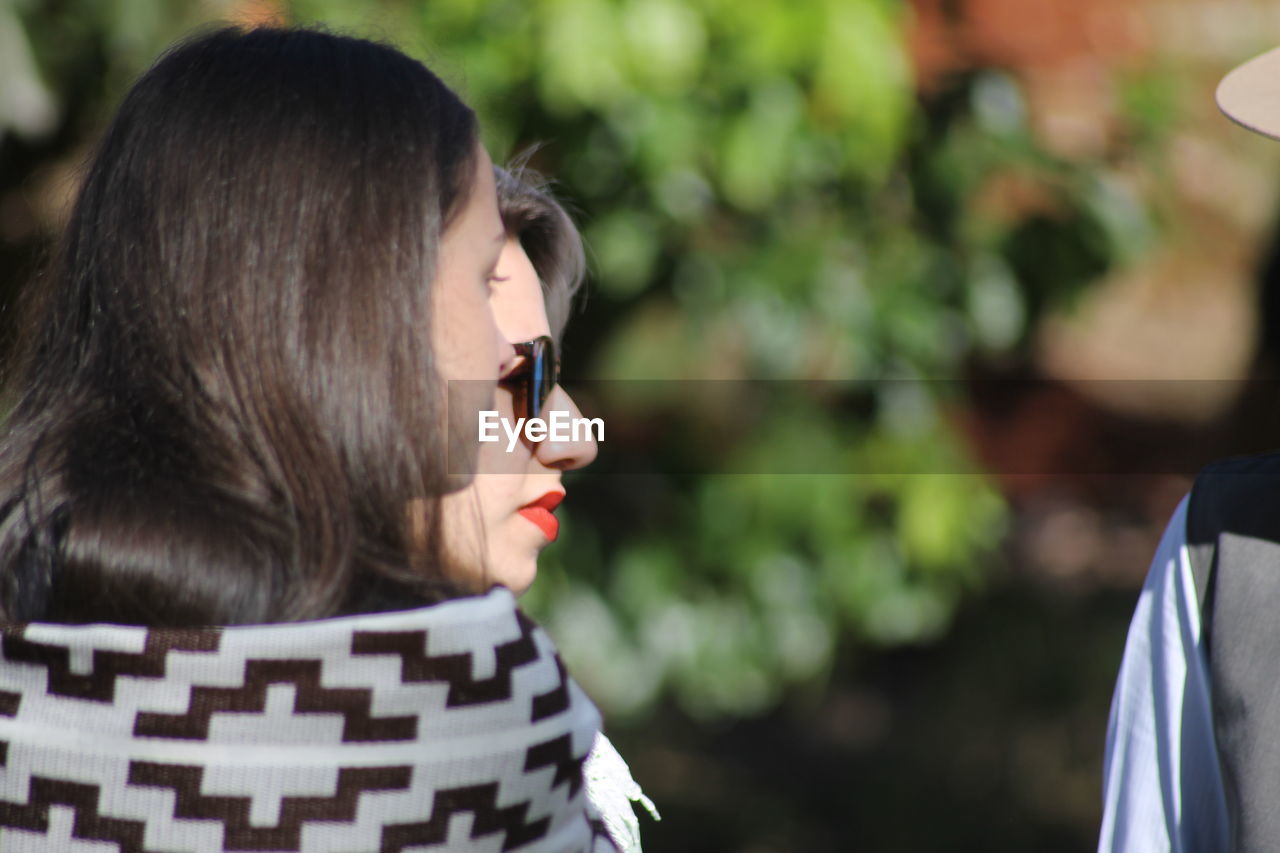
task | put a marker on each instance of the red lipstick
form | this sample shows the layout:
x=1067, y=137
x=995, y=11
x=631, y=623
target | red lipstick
x=540, y=513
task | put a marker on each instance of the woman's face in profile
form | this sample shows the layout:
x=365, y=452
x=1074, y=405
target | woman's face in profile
x=506, y=515
x=465, y=335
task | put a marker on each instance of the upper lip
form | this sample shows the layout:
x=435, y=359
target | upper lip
x=549, y=501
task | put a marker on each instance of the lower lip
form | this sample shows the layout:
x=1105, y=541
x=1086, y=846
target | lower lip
x=546, y=522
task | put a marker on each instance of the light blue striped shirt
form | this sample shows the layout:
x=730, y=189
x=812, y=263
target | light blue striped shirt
x=1162, y=785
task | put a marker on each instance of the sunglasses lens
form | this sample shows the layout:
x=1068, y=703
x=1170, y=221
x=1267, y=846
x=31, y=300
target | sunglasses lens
x=532, y=381
x=542, y=377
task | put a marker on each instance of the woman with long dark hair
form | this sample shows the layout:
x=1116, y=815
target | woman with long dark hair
x=224, y=630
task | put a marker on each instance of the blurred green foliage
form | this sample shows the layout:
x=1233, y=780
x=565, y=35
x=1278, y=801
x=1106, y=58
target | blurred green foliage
x=764, y=196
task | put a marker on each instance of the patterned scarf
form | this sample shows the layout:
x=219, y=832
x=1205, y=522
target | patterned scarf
x=452, y=727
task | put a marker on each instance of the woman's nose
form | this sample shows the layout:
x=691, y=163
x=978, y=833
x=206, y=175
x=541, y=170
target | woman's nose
x=580, y=448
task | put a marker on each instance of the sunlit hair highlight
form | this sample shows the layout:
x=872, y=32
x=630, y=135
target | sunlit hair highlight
x=531, y=214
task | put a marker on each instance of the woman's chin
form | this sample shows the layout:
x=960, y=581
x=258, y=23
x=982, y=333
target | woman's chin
x=516, y=574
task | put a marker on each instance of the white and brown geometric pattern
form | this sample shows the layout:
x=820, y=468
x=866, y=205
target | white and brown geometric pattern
x=452, y=727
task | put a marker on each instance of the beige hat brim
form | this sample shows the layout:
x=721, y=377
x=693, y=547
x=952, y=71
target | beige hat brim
x=1250, y=94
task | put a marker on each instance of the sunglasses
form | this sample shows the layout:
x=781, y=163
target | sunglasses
x=530, y=382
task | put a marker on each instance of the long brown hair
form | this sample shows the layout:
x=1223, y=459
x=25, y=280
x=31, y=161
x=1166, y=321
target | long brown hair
x=226, y=394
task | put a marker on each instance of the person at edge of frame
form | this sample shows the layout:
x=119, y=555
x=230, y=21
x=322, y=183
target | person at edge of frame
x=1193, y=740
x=221, y=627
